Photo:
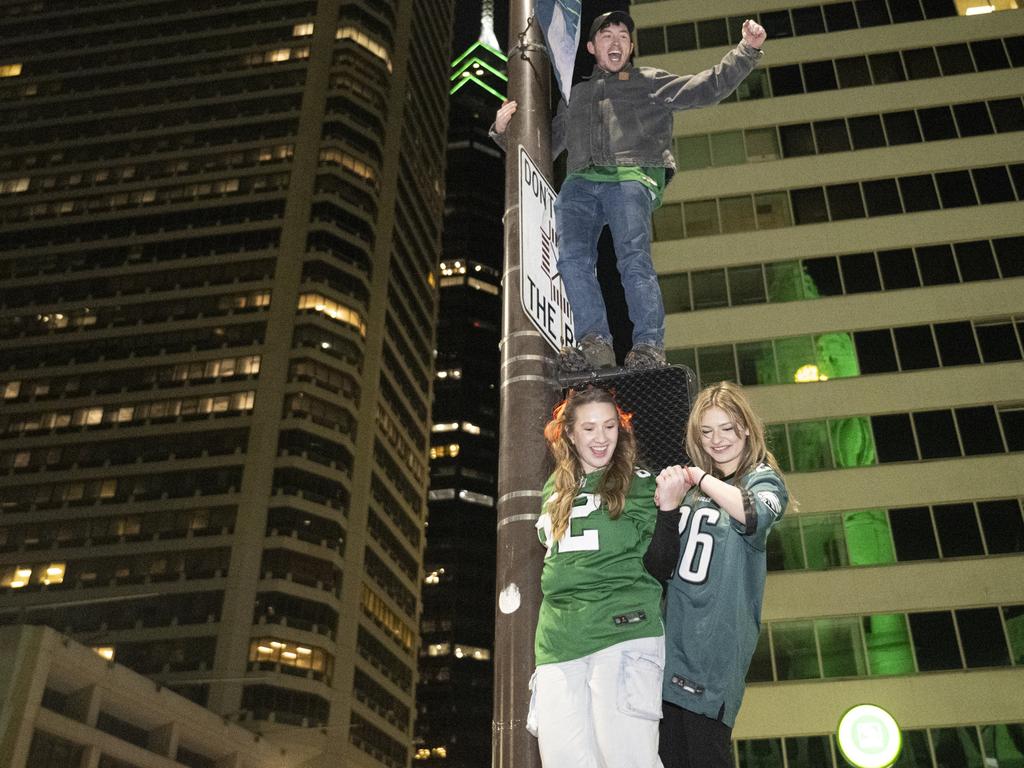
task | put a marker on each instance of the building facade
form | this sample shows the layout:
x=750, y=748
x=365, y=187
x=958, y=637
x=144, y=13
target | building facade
x=455, y=692
x=221, y=229
x=845, y=237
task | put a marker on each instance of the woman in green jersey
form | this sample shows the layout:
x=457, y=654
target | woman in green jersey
x=713, y=606
x=599, y=644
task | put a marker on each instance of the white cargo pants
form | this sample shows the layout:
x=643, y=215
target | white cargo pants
x=600, y=711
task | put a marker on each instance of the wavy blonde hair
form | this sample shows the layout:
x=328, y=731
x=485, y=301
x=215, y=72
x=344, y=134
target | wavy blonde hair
x=618, y=475
x=730, y=398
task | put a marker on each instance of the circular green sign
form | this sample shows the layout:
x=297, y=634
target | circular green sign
x=869, y=737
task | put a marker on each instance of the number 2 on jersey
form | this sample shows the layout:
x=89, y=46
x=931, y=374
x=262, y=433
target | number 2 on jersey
x=698, y=544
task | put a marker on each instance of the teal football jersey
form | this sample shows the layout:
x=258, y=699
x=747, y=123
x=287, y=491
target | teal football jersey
x=596, y=590
x=713, y=605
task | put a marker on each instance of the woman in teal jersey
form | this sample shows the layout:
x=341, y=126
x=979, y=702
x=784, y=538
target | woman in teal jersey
x=599, y=644
x=713, y=605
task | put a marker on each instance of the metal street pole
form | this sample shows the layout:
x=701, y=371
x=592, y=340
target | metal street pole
x=528, y=391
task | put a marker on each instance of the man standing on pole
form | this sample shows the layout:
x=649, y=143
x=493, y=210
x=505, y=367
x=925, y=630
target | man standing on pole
x=617, y=128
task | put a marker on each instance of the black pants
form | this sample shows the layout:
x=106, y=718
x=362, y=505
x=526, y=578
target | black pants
x=689, y=740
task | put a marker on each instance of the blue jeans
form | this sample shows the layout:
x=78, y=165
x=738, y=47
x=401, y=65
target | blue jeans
x=581, y=211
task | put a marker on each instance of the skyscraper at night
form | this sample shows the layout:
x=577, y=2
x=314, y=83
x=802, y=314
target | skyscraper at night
x=221, y=234
x=846, y=239
x=454, y=695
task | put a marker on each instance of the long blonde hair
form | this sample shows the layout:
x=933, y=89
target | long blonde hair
x=618, y=475
x=730, y=398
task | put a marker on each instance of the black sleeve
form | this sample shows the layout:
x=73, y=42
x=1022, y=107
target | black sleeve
x=663, y=552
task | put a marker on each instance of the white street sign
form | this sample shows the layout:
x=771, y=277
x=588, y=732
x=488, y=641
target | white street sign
x=540, y=286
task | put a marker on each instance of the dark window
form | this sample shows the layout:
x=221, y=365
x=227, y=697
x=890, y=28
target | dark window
x=937, y=123
x=746, y=285
x=1003, y=525
x=712, y=32
x=956, y=343
x=901, y=127
x=824, y=273
x=899, y=270
x=754, y=87
x=958, y=530
x=853, y=71
x=972, y=119
x=998, y=341
x=976, y=261
x=955, y=59
x=808, y=751
x=989, y=55
x=918, y=193
x=887, y=68
x=797, y=140
x=1010, y=252
x=867, y=131
x=981, y=632
x=937, y=9
x=716, y=364
x=681, y=37
x=979, y=430
x=1015, y=47
x=993, y=184
x=876, y=354
x=777, y=24
x=936, y=435
x=1007, y=114
x=735, y=25
x=844, y=201
x=905, y=10
x=785, y=80
x=860, y=275
x=651, y=40
x=809, y=205
x=912, y=534
x=1017, y=174
x=955, y=189
x=934, y=641
x=808, y=21
x=1013, y=425
x=820, y=76
x=921, y=63
x=894, y=438
x=882, y=196
x=840, y=16
x=916, y=348
x=937, y=265
x=872, y=13
x=709, y=289
x=831, y=136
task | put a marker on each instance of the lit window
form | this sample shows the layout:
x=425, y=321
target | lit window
x=976, y=7
x=54, y=574
x=106, y=651
x=472, y=652
x=12, y=389
x=289, y=654
x=476, y=498
x=471, y=429
x=434, y=577
x=445, y=427
x=358, y=167
x=12, y=186
x=438, y=649
x=302, y=30
x=10, y=70
x=333, y=310
x=361, y=38
x=439, y=752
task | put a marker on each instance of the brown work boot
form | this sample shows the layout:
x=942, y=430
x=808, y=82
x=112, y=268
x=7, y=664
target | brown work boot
x=597, y=351
x=645, y=357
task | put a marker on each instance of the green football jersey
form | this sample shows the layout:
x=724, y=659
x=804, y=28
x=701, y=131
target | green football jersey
x=596, y=590
x=713, y=605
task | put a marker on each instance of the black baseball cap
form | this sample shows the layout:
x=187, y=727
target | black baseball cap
x=612, y=17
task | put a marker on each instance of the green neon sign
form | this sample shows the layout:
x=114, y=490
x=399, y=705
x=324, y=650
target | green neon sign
x=869, y=737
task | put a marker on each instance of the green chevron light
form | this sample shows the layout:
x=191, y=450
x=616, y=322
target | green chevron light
x=469, y=68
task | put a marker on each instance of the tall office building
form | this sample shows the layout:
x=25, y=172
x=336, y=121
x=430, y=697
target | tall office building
x=221, y=230
x=846, y=239
x=454, y=697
